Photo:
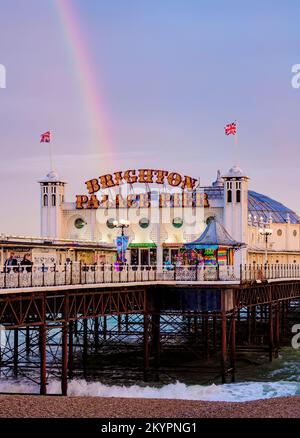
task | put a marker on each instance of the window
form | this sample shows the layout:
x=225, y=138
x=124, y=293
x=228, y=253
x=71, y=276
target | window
x=279, y=232
x=177, y=222
x=209, y=219
x=79, y=223
x=238, y=196
x=53, y=200
x=45, y=200
x=295, y=233
x=144, y=222
x=110, y=223
x=229, y=196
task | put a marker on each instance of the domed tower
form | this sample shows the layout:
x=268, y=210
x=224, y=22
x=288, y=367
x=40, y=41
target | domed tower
x=51, y=199
x=236, y=206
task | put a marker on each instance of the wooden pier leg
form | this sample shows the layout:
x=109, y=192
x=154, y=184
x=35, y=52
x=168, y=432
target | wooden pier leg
x=85, y=345
x=70, y=361
x=195, y=324
x=64, y=371
x=224, y=348
x=119, y=324
x=261, y=313
x=96, y=340
x=238, y=321
x=16, y=351
x=249, y=324
x=271, y=333
x=156, y=342
x=188, y=323
x=233, y=347
x=146, y=346
x=43, y=355
x=277, y=329
x=127, y=323
x=76, y=328
x=215, y=333
x=253, y=317
x=104, y=328
x=27, y=340
x=206, y=336
x=64, y=342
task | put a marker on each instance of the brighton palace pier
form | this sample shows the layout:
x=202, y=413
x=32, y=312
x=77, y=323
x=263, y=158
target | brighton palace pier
x=166, y=211
x=206, y=274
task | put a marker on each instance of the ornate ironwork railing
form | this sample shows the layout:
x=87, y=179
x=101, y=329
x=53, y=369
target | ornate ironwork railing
x=256, y=272
x=23, y=276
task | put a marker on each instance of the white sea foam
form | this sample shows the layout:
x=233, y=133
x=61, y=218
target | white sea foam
x=229, y=392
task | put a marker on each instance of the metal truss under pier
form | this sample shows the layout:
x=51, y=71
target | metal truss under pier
x=48, y=332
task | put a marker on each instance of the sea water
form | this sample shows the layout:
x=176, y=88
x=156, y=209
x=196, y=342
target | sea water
x=266, y=380
x=256, y=379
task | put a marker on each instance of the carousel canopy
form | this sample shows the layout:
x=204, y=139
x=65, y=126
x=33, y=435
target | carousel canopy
x=213, y=236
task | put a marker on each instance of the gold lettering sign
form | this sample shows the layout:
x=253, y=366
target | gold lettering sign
x=143, y=200
x=188, y=198
x=142, y=176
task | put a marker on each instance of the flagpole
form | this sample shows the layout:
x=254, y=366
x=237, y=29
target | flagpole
x=236, y=149
x=50, y=156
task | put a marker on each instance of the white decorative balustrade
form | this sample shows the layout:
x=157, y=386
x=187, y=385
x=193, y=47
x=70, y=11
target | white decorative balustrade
x=76, y=273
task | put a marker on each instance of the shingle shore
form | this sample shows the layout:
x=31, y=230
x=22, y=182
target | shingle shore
x=29, y=406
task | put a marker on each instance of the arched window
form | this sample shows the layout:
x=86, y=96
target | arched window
x=229, y=196
x=238, y=196
x=45, y=201
x=209, y=219
x=53, y=200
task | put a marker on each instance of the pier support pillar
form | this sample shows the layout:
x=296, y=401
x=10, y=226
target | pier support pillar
x=233, y=346
x=127, y=323
x=64, y=341
x=146, y=346
x=64, y=372
x=119, y=324
x=85, y=345
x=206, y=336
x=27, y=340
x=43, y=355
x=215, y=333
x=223, y=337
x=96, y=333
x=104, y=328
x=16, y=351
x=224, y=348
x=156, y=342
x=70, y=361
x=249, y=325
x=277, y=329
x=271, y=333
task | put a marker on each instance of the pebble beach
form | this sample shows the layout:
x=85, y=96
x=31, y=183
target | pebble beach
x=33, y=406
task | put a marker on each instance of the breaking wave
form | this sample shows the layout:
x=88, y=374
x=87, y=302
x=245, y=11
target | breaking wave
x=237, y=392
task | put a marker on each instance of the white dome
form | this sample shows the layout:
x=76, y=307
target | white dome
x=235, y=171
x=52, y=176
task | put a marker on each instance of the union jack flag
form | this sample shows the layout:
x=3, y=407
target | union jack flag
x=46, y=137
x=230, y=129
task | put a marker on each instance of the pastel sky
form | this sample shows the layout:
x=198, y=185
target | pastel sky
x=133, y=83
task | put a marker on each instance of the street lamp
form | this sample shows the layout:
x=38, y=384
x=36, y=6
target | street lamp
x=266, y=232
x=122, y=225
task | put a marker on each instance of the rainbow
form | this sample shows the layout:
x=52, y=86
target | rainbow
x=92, y=96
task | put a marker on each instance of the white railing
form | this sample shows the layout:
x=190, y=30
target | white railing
x=274, y=271
x=22, y=276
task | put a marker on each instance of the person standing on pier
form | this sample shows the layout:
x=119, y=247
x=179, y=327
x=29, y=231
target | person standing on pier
x=11, y=261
